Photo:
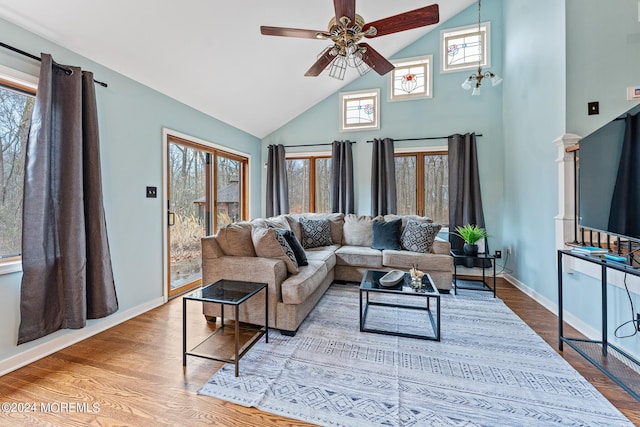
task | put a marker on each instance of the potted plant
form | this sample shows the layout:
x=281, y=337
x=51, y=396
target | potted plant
x=470, y=233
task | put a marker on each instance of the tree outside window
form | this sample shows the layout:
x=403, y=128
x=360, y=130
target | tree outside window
x=422, y=183
x=15, y=119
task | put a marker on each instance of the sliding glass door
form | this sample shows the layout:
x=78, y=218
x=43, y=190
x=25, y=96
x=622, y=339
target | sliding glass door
x=207, y=189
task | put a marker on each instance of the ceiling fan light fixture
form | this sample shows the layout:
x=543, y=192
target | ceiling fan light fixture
x=338, y=67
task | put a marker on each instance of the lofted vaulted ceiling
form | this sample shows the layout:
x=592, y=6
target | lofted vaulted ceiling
x=210, y=54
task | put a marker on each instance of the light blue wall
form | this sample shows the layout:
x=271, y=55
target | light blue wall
x=451, y=110
x=534, y=116
x=603, y=59
x=131, y=120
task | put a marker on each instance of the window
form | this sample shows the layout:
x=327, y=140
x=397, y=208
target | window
x=359, y=110
x=422, y=184
x=464, y=47
x=309, y=179
x=411, y=79
x=16, y=103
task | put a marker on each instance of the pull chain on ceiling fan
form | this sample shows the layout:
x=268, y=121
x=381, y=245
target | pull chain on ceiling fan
x=346, y=31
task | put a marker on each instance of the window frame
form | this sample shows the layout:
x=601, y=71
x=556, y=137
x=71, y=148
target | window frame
x=345, y=97
x=467, y=30
x=420, y=154
x=311, y=157
x=427, y=62
x=25, y=84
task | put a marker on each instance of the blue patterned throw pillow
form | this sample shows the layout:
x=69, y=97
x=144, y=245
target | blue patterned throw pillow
x=315, y=233
x=419, y=236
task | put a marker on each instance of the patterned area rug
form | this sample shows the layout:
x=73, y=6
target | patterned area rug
x=490, y=369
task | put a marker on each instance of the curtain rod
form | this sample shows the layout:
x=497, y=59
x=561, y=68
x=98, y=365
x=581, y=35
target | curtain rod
x=37, y=58
x=423, y=139
x=311, y=145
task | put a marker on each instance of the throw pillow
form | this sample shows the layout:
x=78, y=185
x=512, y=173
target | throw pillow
x=358, y=230
x=296, y=247
x=419, y=236
x=386, y=234
x=235, y=239
x=269, y=243
x=315, y=233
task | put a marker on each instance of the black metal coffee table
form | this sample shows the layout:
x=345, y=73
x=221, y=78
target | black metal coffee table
x=233, y=293
x=371, y=285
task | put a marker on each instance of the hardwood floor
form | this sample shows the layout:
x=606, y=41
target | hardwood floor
x=131, y=375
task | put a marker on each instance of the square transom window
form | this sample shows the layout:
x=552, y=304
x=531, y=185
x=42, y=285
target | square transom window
x=359, y=110
x=411, y=79
x=465, y=48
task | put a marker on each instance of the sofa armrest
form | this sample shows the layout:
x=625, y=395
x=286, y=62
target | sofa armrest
x=211, y=248
x=441, y=247
x=249, y=269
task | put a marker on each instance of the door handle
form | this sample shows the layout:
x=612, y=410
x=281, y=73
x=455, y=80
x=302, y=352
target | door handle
x=171, y=219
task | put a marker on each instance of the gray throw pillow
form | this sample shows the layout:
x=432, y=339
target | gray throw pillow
x=419, y=236
x=315, y=233
x=386, y=234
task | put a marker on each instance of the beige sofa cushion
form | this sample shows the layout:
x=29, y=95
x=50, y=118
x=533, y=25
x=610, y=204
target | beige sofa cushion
x=269, y=243
x=296, y=289
x=325, y=254
x=358, y=230
x=406, y=218
x=360, y=256
x=404, y=260
x=235, y=239
x=279, y=221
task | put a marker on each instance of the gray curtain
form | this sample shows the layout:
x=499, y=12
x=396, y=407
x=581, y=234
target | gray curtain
x=465, y=199
x=383, y=178
x=623, y=217
x=277, y=186
x=67, y=275
x=342, y=195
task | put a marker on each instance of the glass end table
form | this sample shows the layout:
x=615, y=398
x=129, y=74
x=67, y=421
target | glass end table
x=226, y=293
x=473, y=284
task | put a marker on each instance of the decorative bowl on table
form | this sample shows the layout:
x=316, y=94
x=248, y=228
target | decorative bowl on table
x=392, y=278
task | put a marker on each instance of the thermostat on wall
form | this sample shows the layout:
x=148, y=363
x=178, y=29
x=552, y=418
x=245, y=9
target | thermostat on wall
x=633, y=93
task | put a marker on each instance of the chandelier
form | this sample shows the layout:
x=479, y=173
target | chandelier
x=345, y=48
x=475, y=80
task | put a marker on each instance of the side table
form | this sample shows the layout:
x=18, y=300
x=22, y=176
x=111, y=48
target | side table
x=473, y=284
x=226, y=293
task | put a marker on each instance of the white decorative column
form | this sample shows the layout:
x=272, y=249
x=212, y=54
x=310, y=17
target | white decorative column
x=566, y=219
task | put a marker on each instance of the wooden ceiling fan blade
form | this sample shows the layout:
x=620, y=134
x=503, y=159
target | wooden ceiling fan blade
x=417, y=18
x=377, y=62
x=323, y=62
x=294, y=32
x=345, y=8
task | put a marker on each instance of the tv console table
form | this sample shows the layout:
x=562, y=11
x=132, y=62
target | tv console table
x=622, y=364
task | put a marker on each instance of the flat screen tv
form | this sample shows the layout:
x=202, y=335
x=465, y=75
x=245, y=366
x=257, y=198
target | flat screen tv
x=609, y=178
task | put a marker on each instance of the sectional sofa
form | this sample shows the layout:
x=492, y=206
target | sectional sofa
x=336, y=248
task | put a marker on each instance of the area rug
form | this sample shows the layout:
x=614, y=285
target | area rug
x=489, y=369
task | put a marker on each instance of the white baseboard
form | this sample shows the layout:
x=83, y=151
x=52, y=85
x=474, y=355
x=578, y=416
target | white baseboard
x=66, y=337
x=576, y=323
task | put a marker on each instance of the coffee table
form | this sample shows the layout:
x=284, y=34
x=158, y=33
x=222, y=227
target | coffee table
x=427, y=294
x=226, y=293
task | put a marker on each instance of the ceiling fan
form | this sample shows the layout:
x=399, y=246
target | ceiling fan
x=346, y=30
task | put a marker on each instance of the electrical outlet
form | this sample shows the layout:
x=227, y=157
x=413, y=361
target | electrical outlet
x=498, y=254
